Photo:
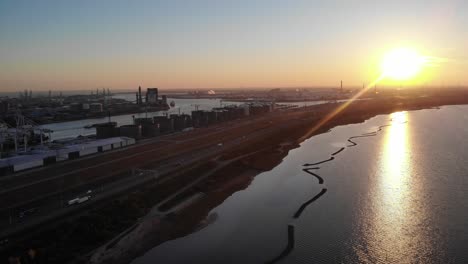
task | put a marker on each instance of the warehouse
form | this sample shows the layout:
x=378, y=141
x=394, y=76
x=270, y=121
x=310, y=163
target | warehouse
x=39, y=158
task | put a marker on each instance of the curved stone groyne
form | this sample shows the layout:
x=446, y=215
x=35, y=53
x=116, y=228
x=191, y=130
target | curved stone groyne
x=371, y=133
x=298, y=213
x=304, y=205
x=335, y=153
x=380, y=127
x=354, y=143
x=308, y=170
x=320, y=162
x=289, y=246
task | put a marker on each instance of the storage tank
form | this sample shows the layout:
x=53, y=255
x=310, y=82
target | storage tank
x=149, y=130
x=131, y=131
x=188, y=120
x=179, y=122
x=141, y=121
x=106, y=130
x=165, y=124
x=198, y=118
x=212, y=117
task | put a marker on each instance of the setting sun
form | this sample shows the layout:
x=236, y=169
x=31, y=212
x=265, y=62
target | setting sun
x=402, y=64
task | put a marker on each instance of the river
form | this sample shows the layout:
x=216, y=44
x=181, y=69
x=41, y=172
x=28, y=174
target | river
x=398, y=196
x=75, y=128
x=71, y=129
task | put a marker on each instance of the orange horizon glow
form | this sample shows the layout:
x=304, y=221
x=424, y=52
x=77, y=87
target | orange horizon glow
x=266, y=75
x=400, y=64
x=84, y=45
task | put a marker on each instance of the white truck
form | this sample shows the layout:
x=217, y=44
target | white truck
x=84, y=199
x=79, y=200
x=73, y=201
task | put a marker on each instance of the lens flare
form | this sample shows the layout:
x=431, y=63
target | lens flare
x=402, y=64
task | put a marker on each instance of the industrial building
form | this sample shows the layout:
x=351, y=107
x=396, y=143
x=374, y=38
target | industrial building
x=152, y=96
x=39, y=158
x=147, y=126
x=95, y=108
x=157, y=125
x=202, y=118
x=152, y=100
x=132, y=131
x=110, y=136
x=107, y=130
x=181, y=122
x=150, y=130
x=165, y=124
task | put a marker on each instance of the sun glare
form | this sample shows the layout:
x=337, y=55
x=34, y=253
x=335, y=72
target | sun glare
x=402, y=64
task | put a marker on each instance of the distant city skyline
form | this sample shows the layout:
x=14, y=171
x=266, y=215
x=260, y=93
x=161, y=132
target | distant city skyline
x=80, y=45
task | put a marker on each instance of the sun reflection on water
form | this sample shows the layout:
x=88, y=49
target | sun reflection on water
x=396, y=167
x=390, y=228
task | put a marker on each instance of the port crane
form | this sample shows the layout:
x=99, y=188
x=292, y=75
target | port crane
x=20, y=134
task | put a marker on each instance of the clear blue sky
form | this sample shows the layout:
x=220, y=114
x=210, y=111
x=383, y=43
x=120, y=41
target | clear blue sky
x=181, y=44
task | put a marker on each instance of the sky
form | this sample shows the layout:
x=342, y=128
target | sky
x=66, y=45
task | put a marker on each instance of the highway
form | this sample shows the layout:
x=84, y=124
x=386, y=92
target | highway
x=21, y=191
x=110, y=174
x=56, y=206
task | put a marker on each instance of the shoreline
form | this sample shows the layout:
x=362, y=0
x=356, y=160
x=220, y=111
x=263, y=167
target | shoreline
x=235, y=177
x=172, y=223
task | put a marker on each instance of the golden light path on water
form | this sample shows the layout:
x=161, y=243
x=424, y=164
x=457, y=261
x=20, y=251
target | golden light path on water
x=392, y=227
x=395, y=188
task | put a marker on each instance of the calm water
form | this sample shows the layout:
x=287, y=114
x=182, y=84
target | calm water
x=397, y=197
x=75, y=128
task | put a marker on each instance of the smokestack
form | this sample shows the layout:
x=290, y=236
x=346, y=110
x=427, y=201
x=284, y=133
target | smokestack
x=139, y=95
x=341, y=89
